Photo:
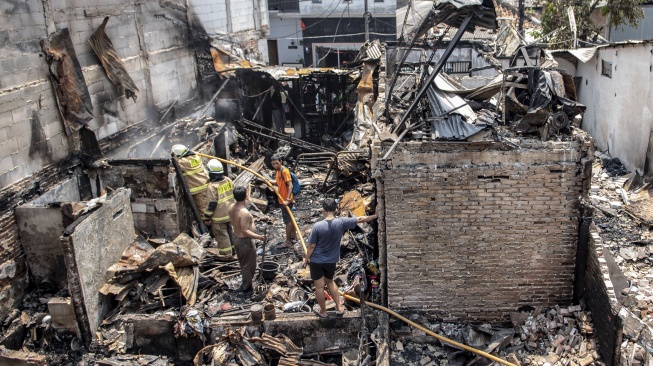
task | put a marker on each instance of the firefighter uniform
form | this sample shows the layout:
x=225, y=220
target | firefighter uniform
x=220, y=195
x=196, y=178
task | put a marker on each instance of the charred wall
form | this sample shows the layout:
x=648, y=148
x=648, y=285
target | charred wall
x=13, y=268
x=155, y=41
x=476, y=230
x=154, y=205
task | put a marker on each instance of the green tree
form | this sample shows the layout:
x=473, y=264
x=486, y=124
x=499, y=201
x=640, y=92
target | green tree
x=557, y=31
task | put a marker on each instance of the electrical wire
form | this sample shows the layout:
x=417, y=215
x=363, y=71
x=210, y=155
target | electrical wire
x=316, y=23
x=257, y=95
x=334, y=36
x=382, y=22
x=342, y=35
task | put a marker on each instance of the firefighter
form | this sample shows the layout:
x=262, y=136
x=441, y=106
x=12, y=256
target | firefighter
x=220, y=195
x=194, y=173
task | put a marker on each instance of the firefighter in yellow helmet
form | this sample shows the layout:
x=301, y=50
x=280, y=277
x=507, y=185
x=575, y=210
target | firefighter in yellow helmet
x=220, y=195
x=194, y=173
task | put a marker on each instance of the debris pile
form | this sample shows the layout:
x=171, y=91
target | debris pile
x=236, y=348
x=556, y=336
x=623, y=218
x=140, y=281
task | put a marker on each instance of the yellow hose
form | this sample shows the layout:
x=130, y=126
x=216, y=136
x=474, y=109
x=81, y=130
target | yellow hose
x=433, y=334
x=371, y=304
x=299, y=235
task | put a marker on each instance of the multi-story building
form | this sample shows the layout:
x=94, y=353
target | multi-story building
x=325, y=33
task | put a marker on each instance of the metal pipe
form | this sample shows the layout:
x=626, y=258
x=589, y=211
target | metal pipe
x=213, y=98
x=447, y=53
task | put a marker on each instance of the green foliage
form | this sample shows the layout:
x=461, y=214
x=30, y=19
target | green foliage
x=555, y=22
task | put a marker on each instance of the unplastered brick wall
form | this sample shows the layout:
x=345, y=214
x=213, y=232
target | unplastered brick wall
x=599, y=296
x=476, y=230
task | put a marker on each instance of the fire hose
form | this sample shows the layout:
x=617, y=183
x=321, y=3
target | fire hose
x=355, y=299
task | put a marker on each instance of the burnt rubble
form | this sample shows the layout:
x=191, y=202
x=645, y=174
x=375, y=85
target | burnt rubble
x=175, y=290
x=558, y=336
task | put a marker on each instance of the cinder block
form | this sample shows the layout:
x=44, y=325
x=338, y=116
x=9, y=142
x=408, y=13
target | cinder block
x=9, y=147
x=53, y=129
x=63, y=314
x=21, y=157
x=19, y=128
x=6, y=164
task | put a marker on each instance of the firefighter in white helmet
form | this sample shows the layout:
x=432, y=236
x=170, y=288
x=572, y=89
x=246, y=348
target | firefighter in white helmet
x=220, y=195
x=194, y=174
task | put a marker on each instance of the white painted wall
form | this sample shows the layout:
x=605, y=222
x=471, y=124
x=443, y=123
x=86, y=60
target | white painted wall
x=231, y=16
x=334, y=8
x=285, y=31
x=619, y=109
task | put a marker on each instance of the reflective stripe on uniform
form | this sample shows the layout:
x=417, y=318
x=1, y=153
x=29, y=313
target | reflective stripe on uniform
x=222, y=188
x=194, y=171
x=225, y=199
x=198, y=189
x=221, y=220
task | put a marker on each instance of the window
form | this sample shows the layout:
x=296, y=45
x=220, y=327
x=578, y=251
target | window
x=606, y=68
x=378, y=1
x=457, y=67
x=317, y=1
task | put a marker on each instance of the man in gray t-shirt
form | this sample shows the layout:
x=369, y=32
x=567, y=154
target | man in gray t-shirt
x=324, y=252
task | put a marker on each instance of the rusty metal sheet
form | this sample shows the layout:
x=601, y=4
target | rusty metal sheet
x=280, y=344
x=112, y=64
x=187, y=278
x=233, y=344
x=352, y=202
x=73, y=100
x=225, y=60
x=183, y=251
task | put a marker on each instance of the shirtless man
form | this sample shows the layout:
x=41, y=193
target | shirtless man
x=242, y=223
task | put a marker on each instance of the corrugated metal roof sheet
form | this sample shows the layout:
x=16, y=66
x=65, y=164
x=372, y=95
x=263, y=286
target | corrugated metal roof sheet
x=644, y=30
x=454, y=125
x=586, y=54
x=582, y=54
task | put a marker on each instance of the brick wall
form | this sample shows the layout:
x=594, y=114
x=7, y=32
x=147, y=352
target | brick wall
x=475, y=230
x=599, y=296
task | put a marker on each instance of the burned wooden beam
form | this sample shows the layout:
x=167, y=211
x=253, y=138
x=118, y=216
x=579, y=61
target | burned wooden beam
x=112, y=64
x=245, y=177
x=274, y=135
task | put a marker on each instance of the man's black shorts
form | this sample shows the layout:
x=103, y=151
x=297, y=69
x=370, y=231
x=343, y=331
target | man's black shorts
x=319, y=270
x=285, y=214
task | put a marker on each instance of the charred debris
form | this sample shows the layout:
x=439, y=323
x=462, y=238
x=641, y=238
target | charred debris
x=165, y=291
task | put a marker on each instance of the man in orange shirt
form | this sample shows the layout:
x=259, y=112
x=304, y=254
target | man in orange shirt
x=284, y=185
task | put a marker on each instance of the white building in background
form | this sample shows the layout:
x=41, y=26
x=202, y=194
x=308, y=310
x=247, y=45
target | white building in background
x=325, y=32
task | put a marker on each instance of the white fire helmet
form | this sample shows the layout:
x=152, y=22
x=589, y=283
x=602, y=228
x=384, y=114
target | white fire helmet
x=214, y=166
x=179, y=150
